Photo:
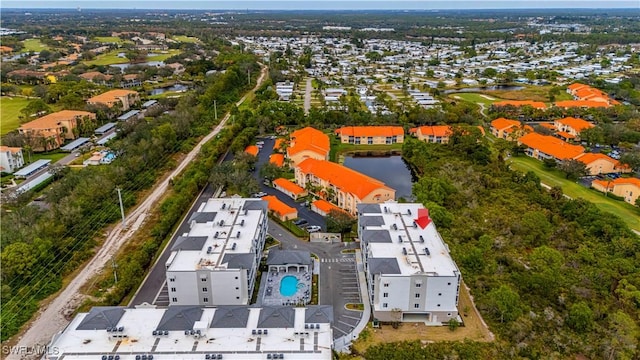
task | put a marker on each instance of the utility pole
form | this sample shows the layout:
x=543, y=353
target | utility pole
x=115, y=269
x=124, y=222
x=215, y=109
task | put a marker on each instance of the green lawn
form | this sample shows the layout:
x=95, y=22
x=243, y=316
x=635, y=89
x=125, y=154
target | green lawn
x=164, y=55
x=475, y=98
x=52, y=155
x=630, y=214
x=187, y=39
x=108, y=58
x=111, y=39
x=9, y=111
x=34, y=45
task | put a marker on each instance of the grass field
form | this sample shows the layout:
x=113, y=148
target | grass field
x=164, y=55
x=187, y=39
x=627, y=212
x=112, y=57
x=9, y=111
x=111, y=39
x=534, y=93
x=53, y=156
x=476, y=98
x=34, y=45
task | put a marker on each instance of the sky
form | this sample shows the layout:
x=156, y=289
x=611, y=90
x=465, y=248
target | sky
x=321, y=5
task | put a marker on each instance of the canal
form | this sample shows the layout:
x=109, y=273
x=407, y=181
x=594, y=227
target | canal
x=392, y=170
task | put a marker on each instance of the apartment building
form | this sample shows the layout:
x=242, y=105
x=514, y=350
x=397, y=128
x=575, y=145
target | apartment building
x=548, y=147
x=433, y=134
x=371, y=135
x=343, y=186
x=50, y=131
x=216, y=261
x=193, y=332
x=508, y=129
x=125, y=98
x=308, y=143
x=570, y=127
x=626, y=188
x=10, y=159
x=410, y=274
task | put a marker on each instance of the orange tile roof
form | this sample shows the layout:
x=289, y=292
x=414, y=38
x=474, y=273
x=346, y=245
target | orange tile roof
x=437, y=130
x=413, y=130
x=518, y=103
x=580, y=103
x=277, y=144
x=551, y=145
x=588, y=158
x=111, y=96
x=566, y=135
x=277, y=159
x=576, y=86
x=12, y=149
x=278, y=206
x=548, y=126
x=366, y=131
x=342, y=177
x=309, y=139
x=575, y=123
x=326, y=207
x=95, y=74
x=251, y=150
x=502, y=123
x=52, y=120
x=289, y=186
x=5, y=49
x=609, y=184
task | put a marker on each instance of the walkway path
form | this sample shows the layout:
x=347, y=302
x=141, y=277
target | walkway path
x=52, y=317
x=307, y=96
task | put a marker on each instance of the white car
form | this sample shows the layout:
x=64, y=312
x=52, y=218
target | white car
x=313, y=228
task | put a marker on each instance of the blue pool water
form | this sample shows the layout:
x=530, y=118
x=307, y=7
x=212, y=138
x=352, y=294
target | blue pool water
x=288, y=285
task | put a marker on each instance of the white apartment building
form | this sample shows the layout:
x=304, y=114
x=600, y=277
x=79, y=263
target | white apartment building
x=410, y=275
x=215, y=263
x=11, y=159
x=196, y=333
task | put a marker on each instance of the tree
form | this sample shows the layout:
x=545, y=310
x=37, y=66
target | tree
x=622, y=333
x=632, y=159
x=504, y=303
x=18, y=260
x=339, y=221
x=35, y=107
x=573, y=169
x=489, y=72
x=580, y=317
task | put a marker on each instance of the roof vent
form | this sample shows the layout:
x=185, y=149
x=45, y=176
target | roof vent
x=399, y=238
x=426, y=251
x=421, y=239
x=238, y=235
x=404, y=251
x=242, y=222
x=409, y=211
x=394, y=226
x=224, y=206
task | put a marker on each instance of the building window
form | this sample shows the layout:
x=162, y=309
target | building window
x=172, y=279
x=418, y=285
x=236, y=278
x=238, y=298
x=204, y=289
x=357, y=140
x=203, y=279
x=385, y=284
x=351, y=140
x=448, y=314
x=439, y=294
x=174, y=299
x=370, y=140
x=417, y=296
x=205, y=299
x=416, y=306
x=385, y=295
x=384, y=305
x=173, y=289
x=438, y=305
x=448, y=283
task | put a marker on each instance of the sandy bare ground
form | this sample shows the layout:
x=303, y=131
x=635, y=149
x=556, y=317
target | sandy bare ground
x=52, y=318
x=486, y=97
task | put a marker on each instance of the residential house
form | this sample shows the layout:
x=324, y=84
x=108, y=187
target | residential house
x=279, y=209
x=588, y=93
x=96, y=77
x=308, y=143
x=371, y=135
x=276, y=159
x=570, y=127
x=566, y=104
x=324, y=207
x=124, y=98
x=50, y=131
x=410, y=274
x=291, y=189
x=252, y=150
x=627, y=188
x=10, y=159
x=344, y=186
x=433, y=134
x=544, y=147
x=598, y=163
x=509, y=129
x=216, y=261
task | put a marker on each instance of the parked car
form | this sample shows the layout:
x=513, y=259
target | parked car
x=259, y=194
x=313, y=228
x=301, y=222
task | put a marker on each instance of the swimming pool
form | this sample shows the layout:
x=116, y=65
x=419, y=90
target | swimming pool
x=288, y=285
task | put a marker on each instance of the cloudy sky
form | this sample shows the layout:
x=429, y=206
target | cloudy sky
x=322, y=5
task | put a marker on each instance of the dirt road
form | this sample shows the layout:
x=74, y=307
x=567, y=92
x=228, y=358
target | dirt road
x=51, y=319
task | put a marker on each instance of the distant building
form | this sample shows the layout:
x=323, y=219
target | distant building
x=627, y=188
x=544, y=147
x=216, y=262
x=371, y=135
x=193, y=332
x=10, y=159
x=433, y=134
x=279, y=209
x=570, y=128
x=410, y=274
x=124, y=98
x=292, y=190
x=50, y=131
x=509, y=129
x=598, y=163
x=346, y=187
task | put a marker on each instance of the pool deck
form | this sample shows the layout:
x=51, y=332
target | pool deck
x=270, y=289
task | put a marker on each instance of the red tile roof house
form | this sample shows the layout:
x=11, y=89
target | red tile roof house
x=509, y=129
x=252, y=150
x=279, y=209
x=602, y=164
x=370, y=135
x=126, y=98
x=292, y=190
x=433, y=134
x=308, y=143
x=50, y=131
x=627, y=188
x=570, y=127
x=544, y=147
x=324, y=207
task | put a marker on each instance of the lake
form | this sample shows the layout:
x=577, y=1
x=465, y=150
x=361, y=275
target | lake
x=176, y=87
x=392, y=170
x=148, y=63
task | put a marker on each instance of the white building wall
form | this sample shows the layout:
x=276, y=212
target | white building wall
x=439, y=292
x=229, y=287
x=185, y=285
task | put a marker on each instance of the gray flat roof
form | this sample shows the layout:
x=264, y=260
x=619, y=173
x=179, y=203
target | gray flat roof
x=384, y=266
x=238, y=261
x=149, y=103
x=101, y=318
x=189, y=243
x=75, y=144
x=376, y=236
x=105, y=139
x=230, y=317
x=28, y=170
x=285, y=257
x=276, y=317
x=180, y=317
x=104, y=128
x=128, y=114
x=203, y=217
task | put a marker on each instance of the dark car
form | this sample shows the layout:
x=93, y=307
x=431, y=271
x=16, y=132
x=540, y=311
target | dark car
x=301, y=222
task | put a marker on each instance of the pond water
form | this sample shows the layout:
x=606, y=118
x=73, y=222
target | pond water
x=148, y=63
x=392, y=170
x=176, y=87
x=485, y=88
